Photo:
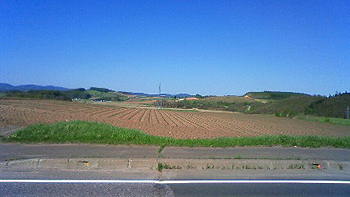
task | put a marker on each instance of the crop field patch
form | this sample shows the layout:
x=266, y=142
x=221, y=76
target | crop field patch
x=176, y=124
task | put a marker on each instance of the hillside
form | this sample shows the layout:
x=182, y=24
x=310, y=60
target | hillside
x=230, y=99
x=279, y=103
x=96, y=94
x=294, y=104
x=272, y=95
x=38, y=94
x=226, y=103
x=333, y=106
x=80, y=93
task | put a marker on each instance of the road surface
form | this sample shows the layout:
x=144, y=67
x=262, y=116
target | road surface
x=175, y=189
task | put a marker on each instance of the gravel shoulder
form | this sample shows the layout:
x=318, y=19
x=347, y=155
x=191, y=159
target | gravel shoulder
x=8, y=129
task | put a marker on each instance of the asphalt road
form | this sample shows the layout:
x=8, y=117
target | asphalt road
x=144, y=189
x=65, y=189
x=260, y=190
x=64, y=183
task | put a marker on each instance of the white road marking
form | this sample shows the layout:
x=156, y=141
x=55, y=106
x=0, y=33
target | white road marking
x=179, y=181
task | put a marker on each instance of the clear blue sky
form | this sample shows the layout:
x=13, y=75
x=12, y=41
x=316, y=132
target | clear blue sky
x=206, y=47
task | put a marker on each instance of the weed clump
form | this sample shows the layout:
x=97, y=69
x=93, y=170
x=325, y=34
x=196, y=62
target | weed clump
x=286, y=113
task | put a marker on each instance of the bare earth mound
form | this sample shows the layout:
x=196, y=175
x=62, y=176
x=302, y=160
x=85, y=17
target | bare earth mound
x=176, y=124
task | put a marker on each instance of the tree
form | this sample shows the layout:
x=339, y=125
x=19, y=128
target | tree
x=199, y=96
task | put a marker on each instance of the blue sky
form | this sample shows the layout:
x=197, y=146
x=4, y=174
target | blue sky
x=207, y=47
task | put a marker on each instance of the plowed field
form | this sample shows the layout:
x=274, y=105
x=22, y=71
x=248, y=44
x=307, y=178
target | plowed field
x=176, y=124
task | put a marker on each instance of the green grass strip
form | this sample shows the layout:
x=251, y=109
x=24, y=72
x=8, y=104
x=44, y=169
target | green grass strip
x=101, y=133
x=336, y=121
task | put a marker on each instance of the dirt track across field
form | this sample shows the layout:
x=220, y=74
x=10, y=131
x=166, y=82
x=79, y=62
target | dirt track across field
x=176, y=124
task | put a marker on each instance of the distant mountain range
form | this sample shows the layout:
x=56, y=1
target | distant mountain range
x=4, y=87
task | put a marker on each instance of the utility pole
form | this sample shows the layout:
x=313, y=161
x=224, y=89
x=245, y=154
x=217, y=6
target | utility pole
x=159, y=90
x=347, y=113
x=159, y=103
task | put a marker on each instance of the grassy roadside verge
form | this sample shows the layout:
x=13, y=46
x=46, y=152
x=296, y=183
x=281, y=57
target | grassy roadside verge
x=101, y=133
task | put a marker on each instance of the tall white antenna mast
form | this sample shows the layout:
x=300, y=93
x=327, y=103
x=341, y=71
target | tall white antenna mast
x=159, y=103
x=159, y=89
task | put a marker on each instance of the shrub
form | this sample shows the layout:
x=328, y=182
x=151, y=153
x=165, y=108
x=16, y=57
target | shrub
x=327, y=120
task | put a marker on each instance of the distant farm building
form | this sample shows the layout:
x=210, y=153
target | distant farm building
x=188, y=99
x=99, y=100
x=192, y=98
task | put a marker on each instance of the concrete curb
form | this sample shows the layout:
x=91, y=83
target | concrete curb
x=144, y=164
x=252, y=164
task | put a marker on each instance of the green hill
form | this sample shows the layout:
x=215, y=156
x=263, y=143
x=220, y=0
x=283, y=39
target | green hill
x=80, y=93
x=272, y=95
x=286, y=104
x=333, y=106
x=294, y=104
x=38, y=94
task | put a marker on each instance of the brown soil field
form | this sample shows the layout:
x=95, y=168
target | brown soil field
x=176, y=124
